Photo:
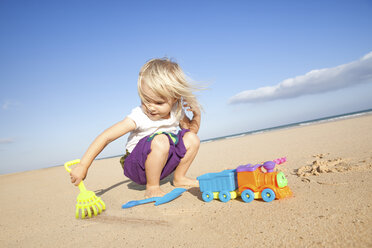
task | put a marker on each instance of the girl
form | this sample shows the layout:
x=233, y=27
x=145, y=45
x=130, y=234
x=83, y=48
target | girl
x=154, y=149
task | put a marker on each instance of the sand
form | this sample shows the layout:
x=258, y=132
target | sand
x=329, y=170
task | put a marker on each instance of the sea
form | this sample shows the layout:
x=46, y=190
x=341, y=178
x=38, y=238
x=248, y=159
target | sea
x=302, y=123
x=258, y=131
x=264, y=130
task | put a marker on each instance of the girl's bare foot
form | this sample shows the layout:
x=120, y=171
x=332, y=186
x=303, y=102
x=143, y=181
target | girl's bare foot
x=153, y=191
x=185, y=182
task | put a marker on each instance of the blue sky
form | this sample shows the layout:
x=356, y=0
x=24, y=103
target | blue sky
x=68, y=69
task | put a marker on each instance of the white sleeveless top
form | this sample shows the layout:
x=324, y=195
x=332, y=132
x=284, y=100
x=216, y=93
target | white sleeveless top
x=145, y=126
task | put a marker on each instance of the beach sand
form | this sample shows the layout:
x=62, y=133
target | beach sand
x=329, y=170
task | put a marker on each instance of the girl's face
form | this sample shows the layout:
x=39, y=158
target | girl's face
x=157, y=107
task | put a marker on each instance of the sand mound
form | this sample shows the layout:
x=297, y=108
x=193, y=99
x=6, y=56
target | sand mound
x=323, y=165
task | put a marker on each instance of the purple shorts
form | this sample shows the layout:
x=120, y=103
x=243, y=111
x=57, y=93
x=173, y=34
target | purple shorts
x=134, y=164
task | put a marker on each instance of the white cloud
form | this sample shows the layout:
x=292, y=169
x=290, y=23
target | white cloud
x=313, y=82
x=6, y=105
x=6, y=140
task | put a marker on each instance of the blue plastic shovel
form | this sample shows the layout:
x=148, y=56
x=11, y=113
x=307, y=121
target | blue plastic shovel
x=158, y=200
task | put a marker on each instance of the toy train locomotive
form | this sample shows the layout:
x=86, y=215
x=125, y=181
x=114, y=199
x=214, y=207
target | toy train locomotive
x=248, y=181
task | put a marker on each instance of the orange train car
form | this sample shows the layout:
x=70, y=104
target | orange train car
x=253, y=183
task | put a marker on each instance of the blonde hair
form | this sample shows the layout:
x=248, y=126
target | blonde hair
x=167, y=80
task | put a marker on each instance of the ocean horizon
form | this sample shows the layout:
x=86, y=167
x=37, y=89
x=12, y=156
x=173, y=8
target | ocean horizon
x=285, y=126
x=295, y=124
x=251, y=132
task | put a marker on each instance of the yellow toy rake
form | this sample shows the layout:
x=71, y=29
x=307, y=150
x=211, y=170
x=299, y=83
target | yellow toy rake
x=86, y=200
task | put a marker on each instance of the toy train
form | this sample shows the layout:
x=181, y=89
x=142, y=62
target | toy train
x=247, y=181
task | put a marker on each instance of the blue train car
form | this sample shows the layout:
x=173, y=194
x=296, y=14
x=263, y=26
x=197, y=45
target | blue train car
x=220, y=185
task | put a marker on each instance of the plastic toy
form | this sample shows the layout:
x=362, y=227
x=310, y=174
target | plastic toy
x=158, y=200
x=86, y=200
x=248, y=181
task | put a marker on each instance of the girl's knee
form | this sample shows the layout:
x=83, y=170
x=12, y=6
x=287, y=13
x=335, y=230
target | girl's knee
x=191, y=140
x=160, y=143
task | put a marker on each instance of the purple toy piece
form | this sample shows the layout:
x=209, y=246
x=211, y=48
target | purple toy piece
x=248, y=167
x=269, y=166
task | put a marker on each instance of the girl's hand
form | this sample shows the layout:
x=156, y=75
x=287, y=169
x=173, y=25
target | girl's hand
x=194, y=109
x=78, y=174
x=185, y=123
x=193, y=124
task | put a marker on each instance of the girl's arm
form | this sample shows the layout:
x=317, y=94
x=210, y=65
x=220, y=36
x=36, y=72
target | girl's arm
x=112, y=133
x=194, y=124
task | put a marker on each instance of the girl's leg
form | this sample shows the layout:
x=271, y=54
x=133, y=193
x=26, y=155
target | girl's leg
x=155, y=163
x=192, y=143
